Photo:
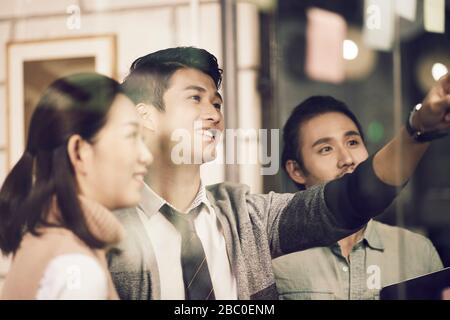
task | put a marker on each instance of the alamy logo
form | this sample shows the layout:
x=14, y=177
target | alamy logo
x=373, y=21
x=242, y=146
x=73, y=277
x=374, y=278
x=74, y=20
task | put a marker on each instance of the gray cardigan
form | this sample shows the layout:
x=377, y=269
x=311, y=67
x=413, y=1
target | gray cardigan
x=258, y=228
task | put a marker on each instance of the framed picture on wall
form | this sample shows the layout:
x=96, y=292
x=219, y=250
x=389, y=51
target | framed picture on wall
x=33, y=65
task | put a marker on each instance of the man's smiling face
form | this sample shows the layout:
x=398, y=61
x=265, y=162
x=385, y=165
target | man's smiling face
x=193, y=105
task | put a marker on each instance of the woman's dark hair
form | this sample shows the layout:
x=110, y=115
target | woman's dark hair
x=306, y=110
x=149, y=76
x=76, y=104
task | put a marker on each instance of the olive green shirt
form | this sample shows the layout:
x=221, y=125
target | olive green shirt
x=385, y=255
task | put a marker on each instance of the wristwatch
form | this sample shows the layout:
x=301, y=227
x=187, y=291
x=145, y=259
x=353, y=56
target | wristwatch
x=422, y=136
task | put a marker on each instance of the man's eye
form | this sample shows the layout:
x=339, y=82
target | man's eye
x=325, y=150
x=353, y=142
x=133, y=134
x=218, y=106
x=196, y=98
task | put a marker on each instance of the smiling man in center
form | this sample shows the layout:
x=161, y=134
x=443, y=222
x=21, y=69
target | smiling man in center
x=188, y=241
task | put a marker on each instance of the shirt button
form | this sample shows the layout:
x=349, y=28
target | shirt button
x=345, y=268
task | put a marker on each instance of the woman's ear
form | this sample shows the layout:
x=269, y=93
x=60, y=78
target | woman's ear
x=147, y=115
x=294, y=172
x=79, y=151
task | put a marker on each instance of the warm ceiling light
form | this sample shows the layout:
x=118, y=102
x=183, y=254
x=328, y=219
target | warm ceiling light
x=350, y=50
x=438, y=70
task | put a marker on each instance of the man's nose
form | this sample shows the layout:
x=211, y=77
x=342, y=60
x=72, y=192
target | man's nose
x=211, y=113
x=345, y=158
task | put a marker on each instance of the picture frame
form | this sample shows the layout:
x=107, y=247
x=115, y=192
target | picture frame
x=101, y=47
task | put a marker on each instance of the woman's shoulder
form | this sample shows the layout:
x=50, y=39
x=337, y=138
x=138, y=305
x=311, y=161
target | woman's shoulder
x=73, y=276
x=55, y=240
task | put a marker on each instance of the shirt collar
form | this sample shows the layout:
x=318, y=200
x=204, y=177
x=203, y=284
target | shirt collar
x=151, y=202
x=200, y=198
x=372, y=237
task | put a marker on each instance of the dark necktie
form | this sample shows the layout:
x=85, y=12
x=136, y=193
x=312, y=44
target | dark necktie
x=196, y=277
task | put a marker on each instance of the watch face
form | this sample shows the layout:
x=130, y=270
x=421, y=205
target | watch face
x=409, y=127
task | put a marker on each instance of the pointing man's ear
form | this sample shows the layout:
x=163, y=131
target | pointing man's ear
x=146, y=112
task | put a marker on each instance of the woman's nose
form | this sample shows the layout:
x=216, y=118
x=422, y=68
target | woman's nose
x=146, y=156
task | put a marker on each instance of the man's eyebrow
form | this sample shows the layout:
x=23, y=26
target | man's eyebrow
x=328, y=139
x=197, y=88
x=320, y=141
x=202, y=90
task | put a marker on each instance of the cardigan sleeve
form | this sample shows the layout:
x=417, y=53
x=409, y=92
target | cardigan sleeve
x=323, y=214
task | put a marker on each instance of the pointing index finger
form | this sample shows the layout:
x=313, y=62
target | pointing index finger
x=445, y=82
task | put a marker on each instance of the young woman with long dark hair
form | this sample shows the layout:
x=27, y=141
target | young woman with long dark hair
x=84, y=156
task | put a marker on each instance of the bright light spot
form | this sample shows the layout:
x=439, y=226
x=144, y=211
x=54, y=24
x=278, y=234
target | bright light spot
x=350, y=50
x=438, y=70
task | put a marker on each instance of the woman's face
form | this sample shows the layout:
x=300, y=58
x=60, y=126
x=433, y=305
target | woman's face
x=116, y=161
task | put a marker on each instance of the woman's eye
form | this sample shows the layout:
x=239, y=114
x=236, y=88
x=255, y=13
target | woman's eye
x=218, y=106
x=196, y=98
x=133, y=135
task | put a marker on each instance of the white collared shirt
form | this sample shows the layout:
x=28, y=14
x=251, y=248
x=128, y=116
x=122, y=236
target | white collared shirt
x=166, y=241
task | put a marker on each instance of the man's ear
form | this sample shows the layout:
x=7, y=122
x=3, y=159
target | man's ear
x=147, y=114
x=79, y=151
x=294, y=172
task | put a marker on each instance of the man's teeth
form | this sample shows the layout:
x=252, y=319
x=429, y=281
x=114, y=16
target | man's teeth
x=208, y=133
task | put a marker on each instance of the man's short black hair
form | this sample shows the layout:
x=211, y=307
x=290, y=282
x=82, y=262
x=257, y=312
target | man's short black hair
x=308, y=109
x=150, y=75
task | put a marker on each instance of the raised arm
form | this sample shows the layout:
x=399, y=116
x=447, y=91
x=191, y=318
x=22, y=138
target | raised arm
x=403, y=149
x=324, y=214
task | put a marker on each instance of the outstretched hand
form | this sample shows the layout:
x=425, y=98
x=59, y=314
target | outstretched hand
x=435, y=111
